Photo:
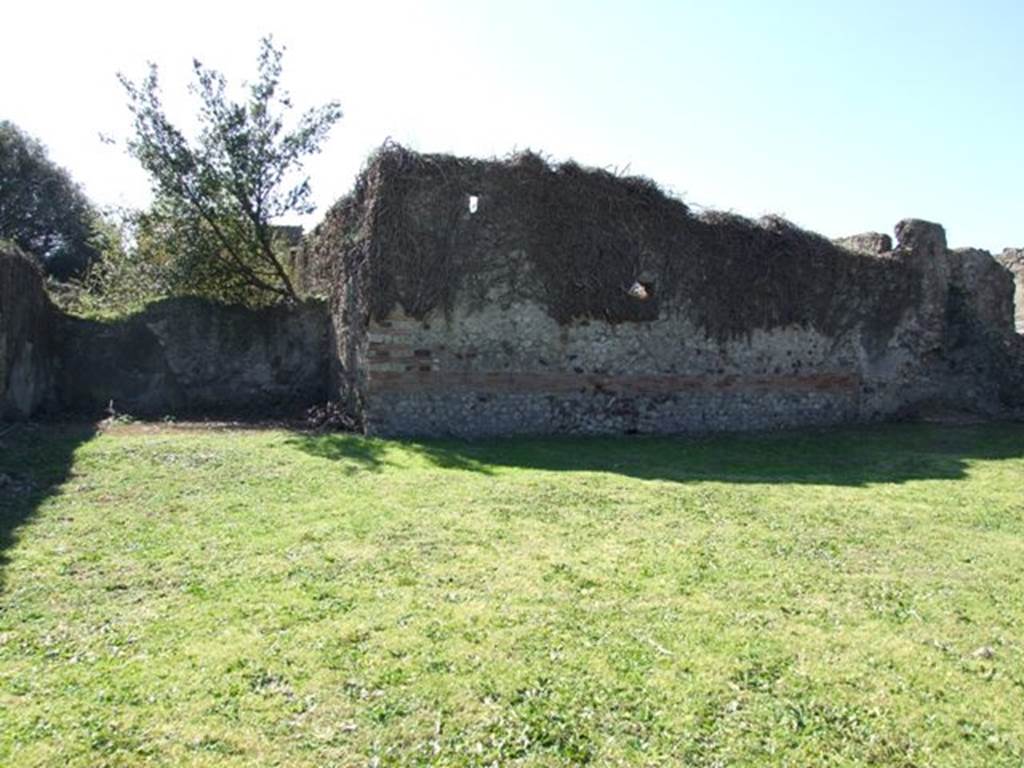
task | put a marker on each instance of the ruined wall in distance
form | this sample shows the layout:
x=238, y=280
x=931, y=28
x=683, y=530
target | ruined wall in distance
x=190, y=357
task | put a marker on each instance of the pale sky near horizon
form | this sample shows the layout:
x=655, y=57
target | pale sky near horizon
x=843, y=117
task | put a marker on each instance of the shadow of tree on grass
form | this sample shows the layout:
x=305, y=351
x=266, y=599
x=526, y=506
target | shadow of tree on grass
x=371, y=454
x=848, y=456
x=364, y=453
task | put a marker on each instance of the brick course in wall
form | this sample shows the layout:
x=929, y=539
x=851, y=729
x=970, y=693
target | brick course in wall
x=464, y=377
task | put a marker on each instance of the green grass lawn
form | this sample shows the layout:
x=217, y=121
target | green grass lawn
x=265, y=598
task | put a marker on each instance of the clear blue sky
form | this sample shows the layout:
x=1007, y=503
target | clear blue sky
x=843, y=116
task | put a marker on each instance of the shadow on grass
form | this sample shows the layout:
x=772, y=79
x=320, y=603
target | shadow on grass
x=34, y=461
x=360, y=454
x=850, y=456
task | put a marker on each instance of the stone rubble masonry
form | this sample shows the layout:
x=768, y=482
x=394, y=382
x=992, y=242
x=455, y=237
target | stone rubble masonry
x=505, y=366
x=27, y=337
x=513, y=370
x=178, y=357
x=1013, y=260
x=193, y=358
x=464, y=377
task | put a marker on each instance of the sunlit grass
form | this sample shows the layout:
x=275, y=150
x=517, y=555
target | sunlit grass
x=227, y=598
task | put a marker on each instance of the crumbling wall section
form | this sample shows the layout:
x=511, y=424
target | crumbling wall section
x=190, y=357
x=982, y=348
x=582, y=243
x=492, y=298
x=27, y=337
x=986, y=286
x=1013, y=260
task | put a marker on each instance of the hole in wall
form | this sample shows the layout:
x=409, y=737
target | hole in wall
x=638, y=291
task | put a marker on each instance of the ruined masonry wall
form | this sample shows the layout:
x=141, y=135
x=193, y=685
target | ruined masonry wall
x=518, y=317
x=188, y=357
x=496, y=360
x=27, y=338
x=511, y=372
x=1013, y=259
x=507, y=367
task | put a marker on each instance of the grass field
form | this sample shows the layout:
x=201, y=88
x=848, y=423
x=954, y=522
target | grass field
x=174, y=596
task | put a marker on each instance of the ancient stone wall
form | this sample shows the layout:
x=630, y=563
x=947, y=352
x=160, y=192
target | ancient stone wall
x=1013, y=259
x=478, y=298
x=506, y=369
x=27, y=338
x=474, y=298
x=516, y=371
x=179, y=357
x=189, y=357
x=981, y=346
x=986, y=285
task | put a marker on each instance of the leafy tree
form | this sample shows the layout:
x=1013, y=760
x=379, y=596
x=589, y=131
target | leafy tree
x=128, y=274
x=217, y=194
x=42, y=209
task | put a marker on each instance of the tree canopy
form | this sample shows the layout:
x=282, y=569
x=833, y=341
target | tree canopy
x=42, y=209
x=217, y=194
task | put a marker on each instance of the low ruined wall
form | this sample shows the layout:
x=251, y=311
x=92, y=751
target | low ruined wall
x=479, y=298
x=188, y=357
x=27, y=362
